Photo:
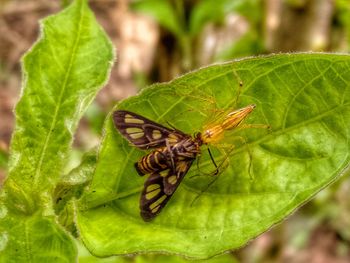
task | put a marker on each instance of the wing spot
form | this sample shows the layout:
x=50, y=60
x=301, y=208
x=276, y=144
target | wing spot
x=131, y=119
x=156, y=134
x=135, y=133
x=157, y=202
x=134, y=130
x=172, y=179
x=164, y=173
x=172, y=138
x=154, y=210
x=152, y=194
x=152, y=187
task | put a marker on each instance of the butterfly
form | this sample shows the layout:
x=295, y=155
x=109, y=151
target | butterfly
x=172, y=155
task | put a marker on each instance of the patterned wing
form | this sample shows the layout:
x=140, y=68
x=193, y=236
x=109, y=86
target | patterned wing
x=144, y=133
x=172, y=181
x=159, y=187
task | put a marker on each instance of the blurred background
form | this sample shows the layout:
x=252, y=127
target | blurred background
x=157, y=40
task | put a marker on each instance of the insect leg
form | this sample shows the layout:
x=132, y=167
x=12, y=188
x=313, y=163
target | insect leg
x=217, y=167
x=199, y=169
x=202, y=191
x=255, y=126
x=212, y=159
x=197, y=163
x=216, y=172
x=244, y=141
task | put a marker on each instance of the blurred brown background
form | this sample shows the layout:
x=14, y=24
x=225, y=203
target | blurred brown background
x=154, y=44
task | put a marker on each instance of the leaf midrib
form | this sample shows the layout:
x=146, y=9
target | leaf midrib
x=59, y=104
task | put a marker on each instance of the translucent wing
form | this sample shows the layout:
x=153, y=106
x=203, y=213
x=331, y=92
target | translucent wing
x=159, y=187
x=144, y=133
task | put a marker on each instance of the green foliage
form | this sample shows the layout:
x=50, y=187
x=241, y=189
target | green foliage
x=342, y=17
x=95, y=117
x=303, y=97
x=245, y=46
x=3, y=159
x=305, y=100
x=71, y=187
x=215, y=11
x=163, y=12
x=86, y=257
x=62, y=74
x=34, y=239
x=186, y=26
x=169, y=14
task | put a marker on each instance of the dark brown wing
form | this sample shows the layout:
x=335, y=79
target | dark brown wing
x=159, y=187
x=144, y=133
x=171, y=182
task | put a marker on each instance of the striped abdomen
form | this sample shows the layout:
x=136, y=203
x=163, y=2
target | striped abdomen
x=153, y=162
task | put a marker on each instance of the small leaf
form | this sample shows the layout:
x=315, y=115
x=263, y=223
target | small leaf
x=62, y=74
x=305, y=98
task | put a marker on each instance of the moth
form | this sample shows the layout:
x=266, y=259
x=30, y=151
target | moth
x=172, y=155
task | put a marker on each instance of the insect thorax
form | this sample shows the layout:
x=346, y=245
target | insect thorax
x=187, y=148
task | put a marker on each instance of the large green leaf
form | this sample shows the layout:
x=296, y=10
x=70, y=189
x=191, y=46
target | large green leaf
x=303, y=97
x=62, y=74
x=86, y=257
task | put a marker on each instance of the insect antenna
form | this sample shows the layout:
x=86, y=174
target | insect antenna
x=240, y=87
x=215, y=173
x=204, y=190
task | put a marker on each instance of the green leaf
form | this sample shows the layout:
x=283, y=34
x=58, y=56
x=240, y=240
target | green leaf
x=71, y=184
x=163, y=12
x=71, y=187
x=305, y=98
x=86, y=257
x=34, y=239
x=62, y=74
